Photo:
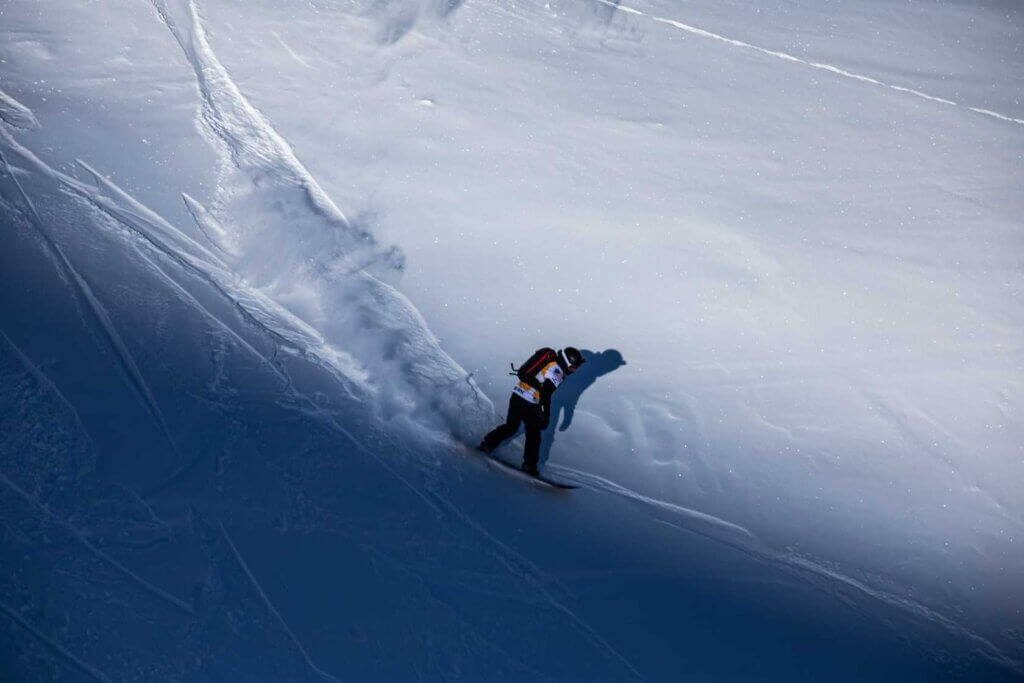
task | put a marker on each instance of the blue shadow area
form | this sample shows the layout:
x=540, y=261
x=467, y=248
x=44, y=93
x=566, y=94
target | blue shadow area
x=183, y=499
x=565, y=400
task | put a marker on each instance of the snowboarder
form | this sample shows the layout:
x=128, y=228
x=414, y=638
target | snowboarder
x=530, y=403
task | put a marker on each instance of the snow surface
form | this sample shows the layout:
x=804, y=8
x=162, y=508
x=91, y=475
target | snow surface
x=263, y=267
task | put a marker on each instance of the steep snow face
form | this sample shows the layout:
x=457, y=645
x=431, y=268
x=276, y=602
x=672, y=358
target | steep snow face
x=788, y=237
x=274, y=235
x=291, y=242
x=798, y=226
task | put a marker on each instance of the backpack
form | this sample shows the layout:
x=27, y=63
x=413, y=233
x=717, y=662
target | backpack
x=527, y=372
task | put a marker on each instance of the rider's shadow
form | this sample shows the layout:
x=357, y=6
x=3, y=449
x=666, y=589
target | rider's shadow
x=563, y=401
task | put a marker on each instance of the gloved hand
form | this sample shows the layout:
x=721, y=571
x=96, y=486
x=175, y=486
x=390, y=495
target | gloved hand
x=545, y=418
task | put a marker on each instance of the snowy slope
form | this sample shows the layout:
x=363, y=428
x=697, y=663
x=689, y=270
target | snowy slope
x=787, y=233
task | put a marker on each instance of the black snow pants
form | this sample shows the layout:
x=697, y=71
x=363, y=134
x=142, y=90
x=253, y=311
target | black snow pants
x=520, y=411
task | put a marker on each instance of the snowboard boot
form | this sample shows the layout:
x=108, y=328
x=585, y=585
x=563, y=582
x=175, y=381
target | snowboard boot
x=529, y=469
x=484, y=448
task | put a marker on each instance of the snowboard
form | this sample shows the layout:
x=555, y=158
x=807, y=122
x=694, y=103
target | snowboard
x=514, y=469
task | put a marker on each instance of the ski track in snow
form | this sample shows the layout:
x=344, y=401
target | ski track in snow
x=81, y=539
x=84, y=293
x=906, y=605
x=188, y=255
x=597, y=483
x=290, y=51
x=146, y=224
x=264, y=313
x=815, y=65
x=50, y=386
x=270, y=606
x=519, y=658
x=284, y=328
x=744, y=541
x=134, y=221
x=532, y=575
x=272, y=364
x=52, y=644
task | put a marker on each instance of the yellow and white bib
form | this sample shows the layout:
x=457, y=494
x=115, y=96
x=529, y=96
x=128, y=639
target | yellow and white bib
x=551, y=371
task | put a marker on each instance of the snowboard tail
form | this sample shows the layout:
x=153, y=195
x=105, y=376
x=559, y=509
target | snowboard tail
x=539, y=479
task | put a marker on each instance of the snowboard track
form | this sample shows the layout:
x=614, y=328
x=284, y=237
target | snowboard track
x=812, y=64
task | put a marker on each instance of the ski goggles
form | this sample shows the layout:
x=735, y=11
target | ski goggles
x=576, y=366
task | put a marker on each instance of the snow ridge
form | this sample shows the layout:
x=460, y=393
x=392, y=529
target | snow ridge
x=16, y=114
x=254, y=153
x=276, y=228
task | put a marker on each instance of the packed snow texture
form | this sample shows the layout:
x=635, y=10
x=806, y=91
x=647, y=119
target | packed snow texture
x=264, y=267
